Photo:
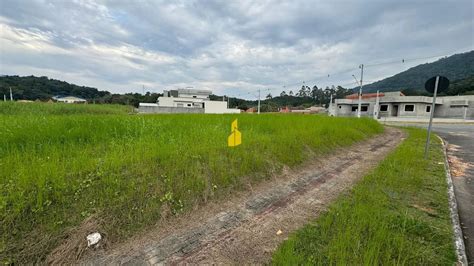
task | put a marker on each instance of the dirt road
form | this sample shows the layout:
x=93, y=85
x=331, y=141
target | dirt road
x=247, y=227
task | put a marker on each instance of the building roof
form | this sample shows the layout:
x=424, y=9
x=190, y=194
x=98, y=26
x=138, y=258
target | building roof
x=69, y=98
x=194, y=91
x=374, y=95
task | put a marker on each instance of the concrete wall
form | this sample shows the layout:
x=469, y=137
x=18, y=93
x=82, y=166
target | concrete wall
x=456, y=107
x=217, y=107
x=419, y=110
x=169, y=110
x=211, y=107
x=177, y=101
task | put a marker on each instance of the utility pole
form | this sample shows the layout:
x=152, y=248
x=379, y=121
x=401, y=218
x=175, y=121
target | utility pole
x=376, y=107
x=330, y=105
x=258, y=102
x=360, y=89
x=11, y=95
x=4, y=98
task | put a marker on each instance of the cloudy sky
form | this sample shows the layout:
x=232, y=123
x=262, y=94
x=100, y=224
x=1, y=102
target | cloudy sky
x=229, y=46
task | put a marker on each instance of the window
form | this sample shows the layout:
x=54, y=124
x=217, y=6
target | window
x=194, y=96
x=384, y=108
x=340, y=107
x=354, y=108
x=189, y=105
x=428, y=108
x=409, y=107
x=364, y=108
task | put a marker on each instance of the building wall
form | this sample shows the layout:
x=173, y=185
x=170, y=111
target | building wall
x=169, y=110
x=217, y=107
x=452, y=109
x=418, y=111
x=446, y=106
x=180, y=102
x=343, y=109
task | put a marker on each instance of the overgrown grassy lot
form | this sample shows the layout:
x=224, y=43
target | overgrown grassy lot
x=14, y=108
x=127, y=171
x=398, y=214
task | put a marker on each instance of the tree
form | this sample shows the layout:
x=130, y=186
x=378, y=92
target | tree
x=283, y=94
x=269, y=96
x=302, y=92
x=291, y=93
x=314, y=92
x=342, y=92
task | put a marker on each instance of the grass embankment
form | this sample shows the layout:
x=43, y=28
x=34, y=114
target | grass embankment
x=398, y=214
x=127, y=171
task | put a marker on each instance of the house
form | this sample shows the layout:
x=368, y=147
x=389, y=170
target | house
x=69, y=99
x=186, y=101
x=396, y=104
x=251, y=110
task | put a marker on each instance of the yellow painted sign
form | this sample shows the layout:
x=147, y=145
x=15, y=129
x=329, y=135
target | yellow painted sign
x=235, y=137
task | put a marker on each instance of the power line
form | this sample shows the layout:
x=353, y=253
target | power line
x=403, y=60
x=400, y=61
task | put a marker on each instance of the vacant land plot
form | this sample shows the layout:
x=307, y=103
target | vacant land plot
x=120, y=173
x=12, y=108
x=398, y=214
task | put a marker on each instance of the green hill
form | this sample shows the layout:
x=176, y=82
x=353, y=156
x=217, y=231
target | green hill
x=456, y=67
x=43, y=88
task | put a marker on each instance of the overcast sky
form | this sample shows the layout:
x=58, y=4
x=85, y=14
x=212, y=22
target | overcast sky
x=230, y=47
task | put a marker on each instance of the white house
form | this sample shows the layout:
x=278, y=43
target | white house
x=186, y=101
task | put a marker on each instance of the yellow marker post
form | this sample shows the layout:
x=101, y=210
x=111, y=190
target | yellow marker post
x=235, y=137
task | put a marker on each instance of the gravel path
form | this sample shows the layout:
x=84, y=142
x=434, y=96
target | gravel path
x=249, y=226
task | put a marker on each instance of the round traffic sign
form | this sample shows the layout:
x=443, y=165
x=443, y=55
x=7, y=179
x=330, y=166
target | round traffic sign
x=443, y=84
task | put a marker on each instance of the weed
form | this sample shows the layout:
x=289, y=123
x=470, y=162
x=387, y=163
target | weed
x=398, y=214
x=56, y=170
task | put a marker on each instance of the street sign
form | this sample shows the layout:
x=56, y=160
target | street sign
x=434, y=85
x=443, y=84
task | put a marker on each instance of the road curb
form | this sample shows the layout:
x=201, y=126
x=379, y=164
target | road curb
x=453, y=208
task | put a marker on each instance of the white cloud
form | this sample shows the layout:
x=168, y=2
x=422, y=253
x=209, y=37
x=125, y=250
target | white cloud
x=230, y=47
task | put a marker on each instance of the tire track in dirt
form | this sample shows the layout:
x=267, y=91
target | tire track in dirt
x=244, y=229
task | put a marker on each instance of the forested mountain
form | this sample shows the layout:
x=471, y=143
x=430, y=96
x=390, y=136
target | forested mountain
x=457, y=87
x=456, y=67
x=43, y=89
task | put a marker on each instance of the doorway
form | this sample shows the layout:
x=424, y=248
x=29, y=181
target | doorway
x=395, y=110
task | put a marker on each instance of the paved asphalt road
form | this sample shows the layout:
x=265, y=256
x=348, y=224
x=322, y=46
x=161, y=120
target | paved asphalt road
x=461, y=140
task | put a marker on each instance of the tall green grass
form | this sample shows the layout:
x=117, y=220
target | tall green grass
x=127, y=170
x=397, y=215
x=39, y=108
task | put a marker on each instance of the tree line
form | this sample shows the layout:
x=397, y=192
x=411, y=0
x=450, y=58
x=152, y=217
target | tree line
x=43, y=89
x=304, y=97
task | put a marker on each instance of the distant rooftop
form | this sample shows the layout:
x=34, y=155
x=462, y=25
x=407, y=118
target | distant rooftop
x=374, y=95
